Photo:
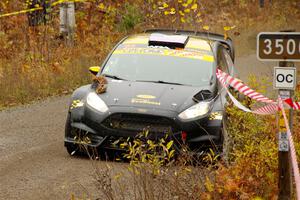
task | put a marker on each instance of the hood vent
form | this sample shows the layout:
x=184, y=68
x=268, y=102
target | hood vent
x=202, y=95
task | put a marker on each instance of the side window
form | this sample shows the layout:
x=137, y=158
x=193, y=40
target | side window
x=222, y=64
x=229, y=62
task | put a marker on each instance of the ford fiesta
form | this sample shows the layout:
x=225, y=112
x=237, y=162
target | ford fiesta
x=162, y=81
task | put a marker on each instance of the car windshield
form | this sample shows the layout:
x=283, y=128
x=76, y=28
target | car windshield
x=161, y=65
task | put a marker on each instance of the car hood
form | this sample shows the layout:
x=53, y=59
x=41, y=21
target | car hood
x=148, y=95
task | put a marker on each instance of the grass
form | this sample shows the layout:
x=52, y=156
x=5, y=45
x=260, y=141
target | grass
x=35, y=64
x=155, y=173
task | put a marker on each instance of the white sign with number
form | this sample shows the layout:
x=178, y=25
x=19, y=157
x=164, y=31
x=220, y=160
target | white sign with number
x=285, y=78
x=283, y=143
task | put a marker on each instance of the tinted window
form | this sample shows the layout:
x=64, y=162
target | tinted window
x=176, y=66
x=229, y=63
x=222, y=64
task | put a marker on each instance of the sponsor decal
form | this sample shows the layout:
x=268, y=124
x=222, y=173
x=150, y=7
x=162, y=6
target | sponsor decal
x=76, y=104
x=166, y=52
x=145, y=96
x=145, y=101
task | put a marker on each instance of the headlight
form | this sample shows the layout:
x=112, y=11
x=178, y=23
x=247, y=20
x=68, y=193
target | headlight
x=197, y=110
x=96, y=102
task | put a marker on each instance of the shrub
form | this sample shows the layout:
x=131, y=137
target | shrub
x=130, y=18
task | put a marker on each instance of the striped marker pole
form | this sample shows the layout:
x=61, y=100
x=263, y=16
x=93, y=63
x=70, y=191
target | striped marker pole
x=292, y=151
x=271, y=108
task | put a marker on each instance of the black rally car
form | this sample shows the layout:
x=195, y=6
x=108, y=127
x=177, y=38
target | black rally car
x=163, y=81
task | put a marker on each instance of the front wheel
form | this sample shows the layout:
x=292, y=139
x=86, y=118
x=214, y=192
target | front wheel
x=72, y=149
x=82, y=138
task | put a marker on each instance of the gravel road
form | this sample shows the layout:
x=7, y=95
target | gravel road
x=33, y=160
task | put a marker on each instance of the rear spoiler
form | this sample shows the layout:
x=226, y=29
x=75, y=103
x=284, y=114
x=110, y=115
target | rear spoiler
x=205, y=35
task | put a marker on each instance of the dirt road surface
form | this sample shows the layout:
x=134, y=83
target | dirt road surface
x=33, y=160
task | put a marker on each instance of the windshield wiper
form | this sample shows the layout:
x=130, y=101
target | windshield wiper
x=159, y=81
x=113, y=76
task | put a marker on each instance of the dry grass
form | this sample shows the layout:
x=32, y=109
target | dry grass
x=34, y=63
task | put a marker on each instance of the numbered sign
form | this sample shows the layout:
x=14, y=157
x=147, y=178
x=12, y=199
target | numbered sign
x=278, y=46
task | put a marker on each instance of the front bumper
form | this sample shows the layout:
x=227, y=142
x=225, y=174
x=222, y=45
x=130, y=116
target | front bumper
x=124, y=122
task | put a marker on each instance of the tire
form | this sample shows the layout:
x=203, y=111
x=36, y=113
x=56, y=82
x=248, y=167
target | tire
x=77, y=149
x=72, y=149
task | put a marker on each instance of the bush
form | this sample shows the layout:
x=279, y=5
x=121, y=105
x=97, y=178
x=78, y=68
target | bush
x=130, y=18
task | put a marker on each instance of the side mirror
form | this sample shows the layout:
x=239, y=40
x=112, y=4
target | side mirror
x=94, y=70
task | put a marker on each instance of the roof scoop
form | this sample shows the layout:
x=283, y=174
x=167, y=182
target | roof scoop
x=171, y=41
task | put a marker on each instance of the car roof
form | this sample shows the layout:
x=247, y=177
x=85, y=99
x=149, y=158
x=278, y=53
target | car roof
x=194, y=42
x=213, y=39
x=195, y=47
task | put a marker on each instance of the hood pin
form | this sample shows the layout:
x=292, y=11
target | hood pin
x=116, y=100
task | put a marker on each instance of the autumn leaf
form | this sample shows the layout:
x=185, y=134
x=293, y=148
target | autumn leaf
x=206, y=28
x=101, y=6
x=165, y=5
x=199, y=20
x=209, y=185
x=172, y=11
x=189, y=2
x=227, y=28
x=185, y=5
x=169, y=145
x=187, y=10
x=194, y=6
x=181, y=13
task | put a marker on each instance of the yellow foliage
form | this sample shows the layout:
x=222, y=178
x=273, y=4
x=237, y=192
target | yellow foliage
x=206, y=28
x=187, y=10
x=194, y=6
x=182, y=19
x=185, y=5
x=172, y=11
x=165, y=5
x=209, y=185
x=101, y=6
